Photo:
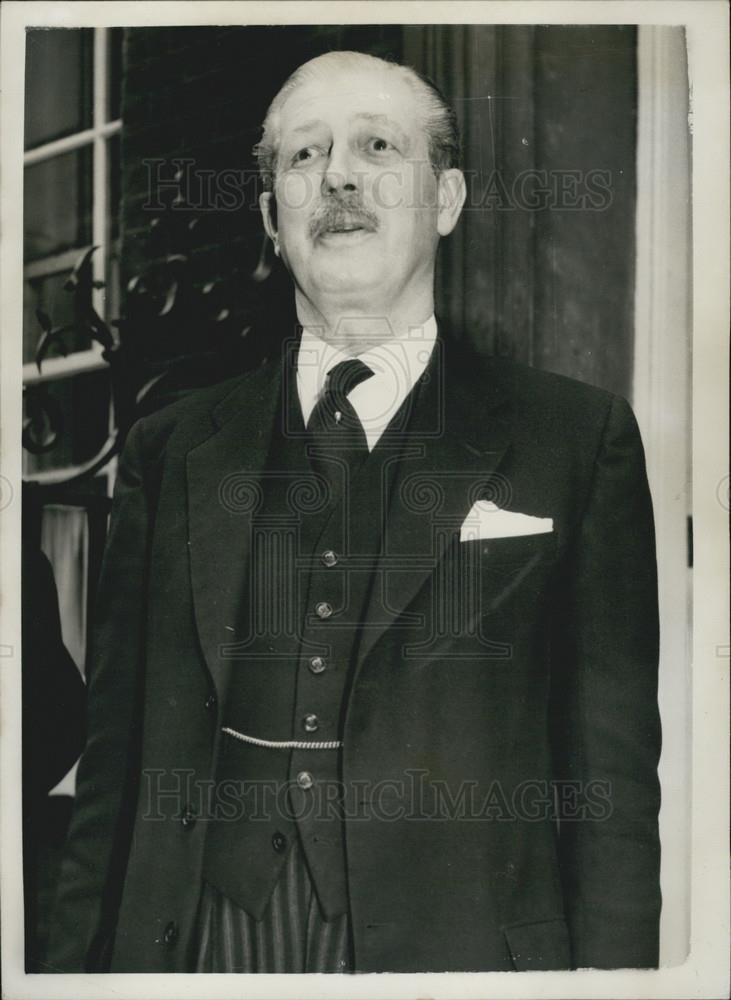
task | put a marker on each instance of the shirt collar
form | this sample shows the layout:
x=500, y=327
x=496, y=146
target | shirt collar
x=397, y=364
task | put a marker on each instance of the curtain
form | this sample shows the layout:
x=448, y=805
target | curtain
x=541, y=266
x=64, y=539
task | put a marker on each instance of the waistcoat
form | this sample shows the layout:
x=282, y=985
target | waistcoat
x=312, y=563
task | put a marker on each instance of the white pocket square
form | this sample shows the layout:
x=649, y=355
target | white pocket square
x=486, y=520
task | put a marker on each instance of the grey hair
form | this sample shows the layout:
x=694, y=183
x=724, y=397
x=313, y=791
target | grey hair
x=439, y=119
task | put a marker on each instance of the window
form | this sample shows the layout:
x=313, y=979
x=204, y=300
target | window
x=71, y=202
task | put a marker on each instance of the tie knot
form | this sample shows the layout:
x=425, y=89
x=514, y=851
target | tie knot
x=345, y=376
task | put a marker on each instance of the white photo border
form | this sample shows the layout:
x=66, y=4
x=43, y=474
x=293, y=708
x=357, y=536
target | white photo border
x=705, y=973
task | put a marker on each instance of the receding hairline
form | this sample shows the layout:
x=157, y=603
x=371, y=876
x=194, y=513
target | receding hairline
x=336, y=60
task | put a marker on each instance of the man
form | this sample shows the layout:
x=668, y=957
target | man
x=374, y=684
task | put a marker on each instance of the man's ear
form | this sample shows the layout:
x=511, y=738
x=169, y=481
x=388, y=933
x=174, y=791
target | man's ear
x=268, y=209
x=451, y=194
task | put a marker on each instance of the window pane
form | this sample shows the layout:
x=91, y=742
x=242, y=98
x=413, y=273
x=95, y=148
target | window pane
x=58, y=82
x=57, y=204
x=47, y=293
x=83, y=403
x=114, y=68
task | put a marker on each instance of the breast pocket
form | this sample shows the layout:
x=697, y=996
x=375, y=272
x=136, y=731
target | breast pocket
x=510, y=572
x=480, y=592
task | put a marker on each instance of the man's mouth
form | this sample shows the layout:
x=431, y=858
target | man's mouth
x=346, y=227
x=342, y=231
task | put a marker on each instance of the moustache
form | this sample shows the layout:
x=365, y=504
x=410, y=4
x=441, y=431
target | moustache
x=342, y=216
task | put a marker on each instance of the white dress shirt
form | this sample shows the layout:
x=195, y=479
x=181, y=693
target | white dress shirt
x=396, y=366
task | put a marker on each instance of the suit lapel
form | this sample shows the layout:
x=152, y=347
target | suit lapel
x=223, y=475
x=457, y=437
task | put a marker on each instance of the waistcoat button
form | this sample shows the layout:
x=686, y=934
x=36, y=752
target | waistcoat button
x=329, y=558
x=311, y=723
x=305, y=779
x=279, y=842
x=210, y=701
x=188, y=818
x=317, y=664
x=323, y=609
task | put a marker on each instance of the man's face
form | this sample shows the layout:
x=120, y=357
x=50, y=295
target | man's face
x=357, y=202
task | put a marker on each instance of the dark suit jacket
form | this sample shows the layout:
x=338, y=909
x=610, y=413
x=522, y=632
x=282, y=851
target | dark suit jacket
x=503, y=707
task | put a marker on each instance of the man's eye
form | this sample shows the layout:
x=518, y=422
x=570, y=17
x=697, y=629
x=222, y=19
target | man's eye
x=378, y=145
x=305, y=155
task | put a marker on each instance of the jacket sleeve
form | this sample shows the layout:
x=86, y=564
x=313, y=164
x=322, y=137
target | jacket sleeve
x=606, y=727
x=95, y=855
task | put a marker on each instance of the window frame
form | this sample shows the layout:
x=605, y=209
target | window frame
x=97, y=137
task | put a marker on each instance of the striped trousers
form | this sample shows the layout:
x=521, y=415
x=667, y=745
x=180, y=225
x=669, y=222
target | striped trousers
x=292, y=936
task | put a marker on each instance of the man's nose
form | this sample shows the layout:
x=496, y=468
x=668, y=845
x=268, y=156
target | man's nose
x=340, y=171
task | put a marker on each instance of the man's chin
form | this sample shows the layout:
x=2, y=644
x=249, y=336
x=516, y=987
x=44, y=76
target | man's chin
x=347, y=277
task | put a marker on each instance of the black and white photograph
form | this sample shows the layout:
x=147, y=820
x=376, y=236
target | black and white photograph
x=364, y=499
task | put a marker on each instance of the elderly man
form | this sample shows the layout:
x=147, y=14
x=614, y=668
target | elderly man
x=374, y=685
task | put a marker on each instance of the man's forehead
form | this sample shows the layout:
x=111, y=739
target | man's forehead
x=343, y=94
